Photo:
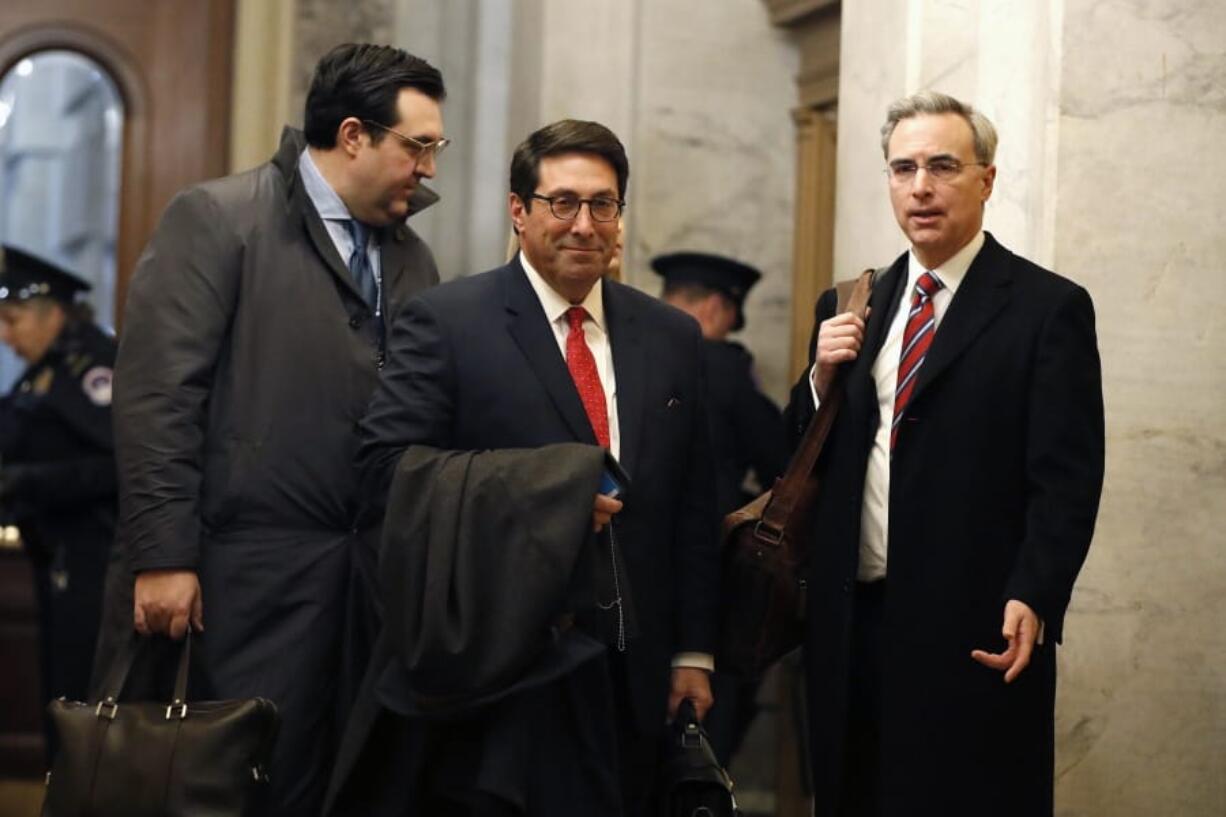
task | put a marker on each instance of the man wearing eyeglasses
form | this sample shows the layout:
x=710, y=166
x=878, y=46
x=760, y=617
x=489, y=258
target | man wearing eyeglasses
x=545, y=350
x=253, y=337
x=960, y=486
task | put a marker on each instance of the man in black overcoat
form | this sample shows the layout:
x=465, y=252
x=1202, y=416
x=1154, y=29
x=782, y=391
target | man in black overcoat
x=547, y=349
x=960, y=486
x=57, y=461
x=252, y=340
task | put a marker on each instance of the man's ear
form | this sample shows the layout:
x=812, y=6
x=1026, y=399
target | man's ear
x=989, y=182
x=518, y=212
x=349, y=135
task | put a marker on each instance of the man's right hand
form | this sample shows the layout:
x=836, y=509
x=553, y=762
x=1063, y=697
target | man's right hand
x=838, y=341
x=602, y=511
x=166, y=602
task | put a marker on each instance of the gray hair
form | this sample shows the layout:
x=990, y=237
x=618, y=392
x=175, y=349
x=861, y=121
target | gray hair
x=935, y=102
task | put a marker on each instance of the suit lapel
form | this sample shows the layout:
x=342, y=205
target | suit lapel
x=983, y=292
x=629, y=370
x=530, y=330
x=318, y=233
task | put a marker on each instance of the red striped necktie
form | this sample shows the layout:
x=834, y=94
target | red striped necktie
x=916, y=338
x=583, y=371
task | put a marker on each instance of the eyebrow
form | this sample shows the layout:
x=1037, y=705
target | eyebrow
x=929, y=159
x=566, y=191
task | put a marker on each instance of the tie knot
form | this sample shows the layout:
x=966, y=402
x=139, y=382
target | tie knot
x=359, y=232
x=576, y=315
x=927, y=285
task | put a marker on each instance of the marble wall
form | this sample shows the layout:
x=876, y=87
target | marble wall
x=709, y=137
x=701, y=96
x=1111, y=115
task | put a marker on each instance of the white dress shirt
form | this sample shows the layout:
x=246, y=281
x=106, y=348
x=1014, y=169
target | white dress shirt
x=875, y=511
x=596, y=333
x=874, y=514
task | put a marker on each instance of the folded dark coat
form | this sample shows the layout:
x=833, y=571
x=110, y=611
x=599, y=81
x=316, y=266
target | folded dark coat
x=483, y=554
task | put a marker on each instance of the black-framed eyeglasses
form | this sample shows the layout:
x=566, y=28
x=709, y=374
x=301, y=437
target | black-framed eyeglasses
x=567, y=207
x=941, y=168
x=416, y=146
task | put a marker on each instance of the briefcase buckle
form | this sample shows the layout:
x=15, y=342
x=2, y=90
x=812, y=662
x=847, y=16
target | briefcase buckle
x=178, y=709
x=767, y=534
x=107, y=709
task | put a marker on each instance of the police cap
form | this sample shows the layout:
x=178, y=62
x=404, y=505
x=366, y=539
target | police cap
x=724, y=275
x=24, y=276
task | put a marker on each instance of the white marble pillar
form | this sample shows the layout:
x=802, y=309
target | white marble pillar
x=1111, y=116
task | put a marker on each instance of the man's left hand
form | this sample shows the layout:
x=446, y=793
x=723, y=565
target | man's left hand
x=1021, y=628
x=692, y=683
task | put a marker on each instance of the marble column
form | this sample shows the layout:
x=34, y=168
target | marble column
x=1111, y=172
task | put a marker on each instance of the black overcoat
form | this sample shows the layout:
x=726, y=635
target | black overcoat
x=994, y=488
x=246, y=361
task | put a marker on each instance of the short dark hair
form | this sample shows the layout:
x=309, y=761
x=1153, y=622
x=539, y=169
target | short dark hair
x=566, y=136
x=364, y=81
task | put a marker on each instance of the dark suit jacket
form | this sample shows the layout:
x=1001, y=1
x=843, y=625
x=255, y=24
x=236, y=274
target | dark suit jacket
x=994, y=488
x=474, y=365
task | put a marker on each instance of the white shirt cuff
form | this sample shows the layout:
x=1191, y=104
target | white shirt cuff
x=817, y=401
x=694, y=660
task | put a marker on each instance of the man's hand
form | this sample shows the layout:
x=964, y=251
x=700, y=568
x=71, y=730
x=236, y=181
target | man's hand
x=838, y=341
x=692, y=683
x=166, y=602
x=602, y=511
x=1020, y=630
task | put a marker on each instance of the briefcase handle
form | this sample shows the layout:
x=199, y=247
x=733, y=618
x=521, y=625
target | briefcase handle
x=121, y=668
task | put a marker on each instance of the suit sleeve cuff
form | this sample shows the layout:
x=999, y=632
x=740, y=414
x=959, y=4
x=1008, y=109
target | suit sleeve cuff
x=694, y=660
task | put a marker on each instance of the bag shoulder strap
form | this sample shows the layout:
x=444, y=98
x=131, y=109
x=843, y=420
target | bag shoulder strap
x=852, y=297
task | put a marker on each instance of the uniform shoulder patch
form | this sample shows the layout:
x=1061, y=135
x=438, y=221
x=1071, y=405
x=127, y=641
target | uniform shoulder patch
x=97, y=385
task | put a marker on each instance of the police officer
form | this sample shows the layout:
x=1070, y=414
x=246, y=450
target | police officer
x=747, y=431
x=57, y=469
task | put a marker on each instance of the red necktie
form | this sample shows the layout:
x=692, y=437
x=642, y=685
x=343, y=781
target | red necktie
x=583, y=371
x=916, y=338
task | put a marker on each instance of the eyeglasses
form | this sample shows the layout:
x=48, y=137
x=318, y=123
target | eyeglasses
x=566, y=207
x=416, y=146
x=942, y=168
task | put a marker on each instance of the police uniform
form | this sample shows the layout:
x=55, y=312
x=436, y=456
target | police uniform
x=747, y=432
x=747, y=436
x=57, y=474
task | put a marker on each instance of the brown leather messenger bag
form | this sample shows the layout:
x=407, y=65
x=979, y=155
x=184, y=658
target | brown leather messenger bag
x=763, y=583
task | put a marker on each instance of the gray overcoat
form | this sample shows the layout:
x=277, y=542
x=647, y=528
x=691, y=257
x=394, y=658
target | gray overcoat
x=246, y=360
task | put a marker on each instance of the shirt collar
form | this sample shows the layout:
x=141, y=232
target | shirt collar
x=952, y=271
x=554, y=304
x=327, y=203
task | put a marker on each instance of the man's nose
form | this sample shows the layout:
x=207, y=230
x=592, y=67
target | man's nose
x=583, y=223
x=426, y=164
x=921, y=182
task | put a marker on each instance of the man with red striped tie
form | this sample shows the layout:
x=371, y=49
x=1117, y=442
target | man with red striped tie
x=960, y=486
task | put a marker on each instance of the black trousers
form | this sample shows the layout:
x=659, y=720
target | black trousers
x=861, y=790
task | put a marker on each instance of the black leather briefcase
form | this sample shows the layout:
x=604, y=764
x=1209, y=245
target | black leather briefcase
x=694, y=784
x=159, y=759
